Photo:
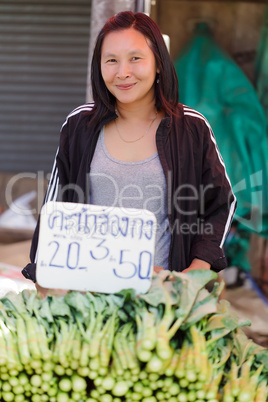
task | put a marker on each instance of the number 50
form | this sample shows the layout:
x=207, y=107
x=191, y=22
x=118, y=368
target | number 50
x=142, y=269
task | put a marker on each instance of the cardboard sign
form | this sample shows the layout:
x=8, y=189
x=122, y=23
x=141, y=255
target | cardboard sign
x=94, y=248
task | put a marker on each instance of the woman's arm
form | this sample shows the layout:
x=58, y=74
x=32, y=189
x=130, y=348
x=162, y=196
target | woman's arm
x=29, y=271
x=217, y=205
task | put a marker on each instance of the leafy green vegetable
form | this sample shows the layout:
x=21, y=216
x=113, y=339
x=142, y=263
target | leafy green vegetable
x=178, y=342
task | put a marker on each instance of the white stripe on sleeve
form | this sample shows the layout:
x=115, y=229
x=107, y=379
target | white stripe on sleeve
x=194, y=113
x=52, y=185
x=52, y=190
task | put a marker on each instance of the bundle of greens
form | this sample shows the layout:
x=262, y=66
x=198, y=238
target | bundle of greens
x=176, y=343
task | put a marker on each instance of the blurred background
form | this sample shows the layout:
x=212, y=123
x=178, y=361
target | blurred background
x=220, y=53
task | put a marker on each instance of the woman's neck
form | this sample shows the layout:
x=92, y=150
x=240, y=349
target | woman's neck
x=140, y=111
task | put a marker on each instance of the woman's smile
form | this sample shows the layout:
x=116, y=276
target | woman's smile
x=125, y=86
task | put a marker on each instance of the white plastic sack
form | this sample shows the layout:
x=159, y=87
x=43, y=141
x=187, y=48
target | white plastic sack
x=19, y=214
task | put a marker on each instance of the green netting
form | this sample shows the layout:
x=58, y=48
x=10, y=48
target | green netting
x=211, y=82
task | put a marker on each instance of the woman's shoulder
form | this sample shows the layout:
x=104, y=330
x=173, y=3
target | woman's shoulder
x=193, y=114
x=195, y=124
x=79, y=111
x=194, y=120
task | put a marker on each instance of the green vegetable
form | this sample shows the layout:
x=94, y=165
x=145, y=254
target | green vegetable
x=120, y=388
x=176, y=343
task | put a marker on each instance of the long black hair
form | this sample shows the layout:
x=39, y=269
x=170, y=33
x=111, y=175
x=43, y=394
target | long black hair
x=166, y=82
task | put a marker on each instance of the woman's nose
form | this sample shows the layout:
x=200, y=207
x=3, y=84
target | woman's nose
x=123, y=71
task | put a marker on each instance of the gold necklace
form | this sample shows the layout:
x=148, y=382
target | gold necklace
x=131, y=141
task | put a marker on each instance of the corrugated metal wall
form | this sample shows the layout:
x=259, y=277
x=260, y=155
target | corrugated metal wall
x=43, y=71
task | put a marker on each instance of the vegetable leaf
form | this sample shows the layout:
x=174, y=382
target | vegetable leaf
x=58, y=307
x=205, y=305
x=189, y=285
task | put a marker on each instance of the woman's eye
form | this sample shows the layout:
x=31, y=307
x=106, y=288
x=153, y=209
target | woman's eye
x=135, y=58
x=111, y=61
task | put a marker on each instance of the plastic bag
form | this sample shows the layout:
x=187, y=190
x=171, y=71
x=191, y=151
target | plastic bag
x=19, y=214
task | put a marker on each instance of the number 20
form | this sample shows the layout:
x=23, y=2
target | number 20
x=72, y=259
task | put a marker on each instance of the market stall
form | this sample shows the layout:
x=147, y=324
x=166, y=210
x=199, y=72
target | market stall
x=108, y=323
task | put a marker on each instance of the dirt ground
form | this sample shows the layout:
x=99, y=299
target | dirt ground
x=248, y=305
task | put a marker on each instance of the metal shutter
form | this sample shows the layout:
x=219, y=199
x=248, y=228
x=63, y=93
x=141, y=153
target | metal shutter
x=43, y=72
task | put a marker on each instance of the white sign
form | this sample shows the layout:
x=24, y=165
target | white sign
x=94, y=248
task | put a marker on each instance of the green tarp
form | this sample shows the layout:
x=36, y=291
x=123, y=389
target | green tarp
x=262, y=65
x=211, y=82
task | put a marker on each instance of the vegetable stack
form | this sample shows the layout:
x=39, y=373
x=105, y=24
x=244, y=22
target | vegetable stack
x=177, y=343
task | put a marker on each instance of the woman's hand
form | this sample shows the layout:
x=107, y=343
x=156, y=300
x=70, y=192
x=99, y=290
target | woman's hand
x=44, y=292
x=157, y=269
x=197, y=264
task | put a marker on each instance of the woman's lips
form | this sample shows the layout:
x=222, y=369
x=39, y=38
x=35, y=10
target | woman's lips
x=125, y=87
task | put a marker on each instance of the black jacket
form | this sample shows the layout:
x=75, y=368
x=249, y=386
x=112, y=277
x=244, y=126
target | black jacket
x=201, y=203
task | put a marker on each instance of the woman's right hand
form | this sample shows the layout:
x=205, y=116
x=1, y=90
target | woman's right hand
x=157, y=269
x=44, y=292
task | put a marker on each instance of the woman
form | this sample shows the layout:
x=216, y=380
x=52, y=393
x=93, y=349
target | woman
x=136, y=146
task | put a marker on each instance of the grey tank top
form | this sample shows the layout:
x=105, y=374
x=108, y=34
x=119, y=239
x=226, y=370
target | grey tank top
x=139, y=185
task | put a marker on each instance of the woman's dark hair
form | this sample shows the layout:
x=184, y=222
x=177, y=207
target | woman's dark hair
x=166, y=83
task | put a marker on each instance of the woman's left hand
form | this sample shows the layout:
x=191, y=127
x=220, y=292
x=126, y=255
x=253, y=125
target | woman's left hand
x=197, y=264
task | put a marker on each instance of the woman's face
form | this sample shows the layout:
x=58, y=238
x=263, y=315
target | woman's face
x=128, y=66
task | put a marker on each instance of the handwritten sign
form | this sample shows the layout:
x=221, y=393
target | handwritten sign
x=94, y=248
